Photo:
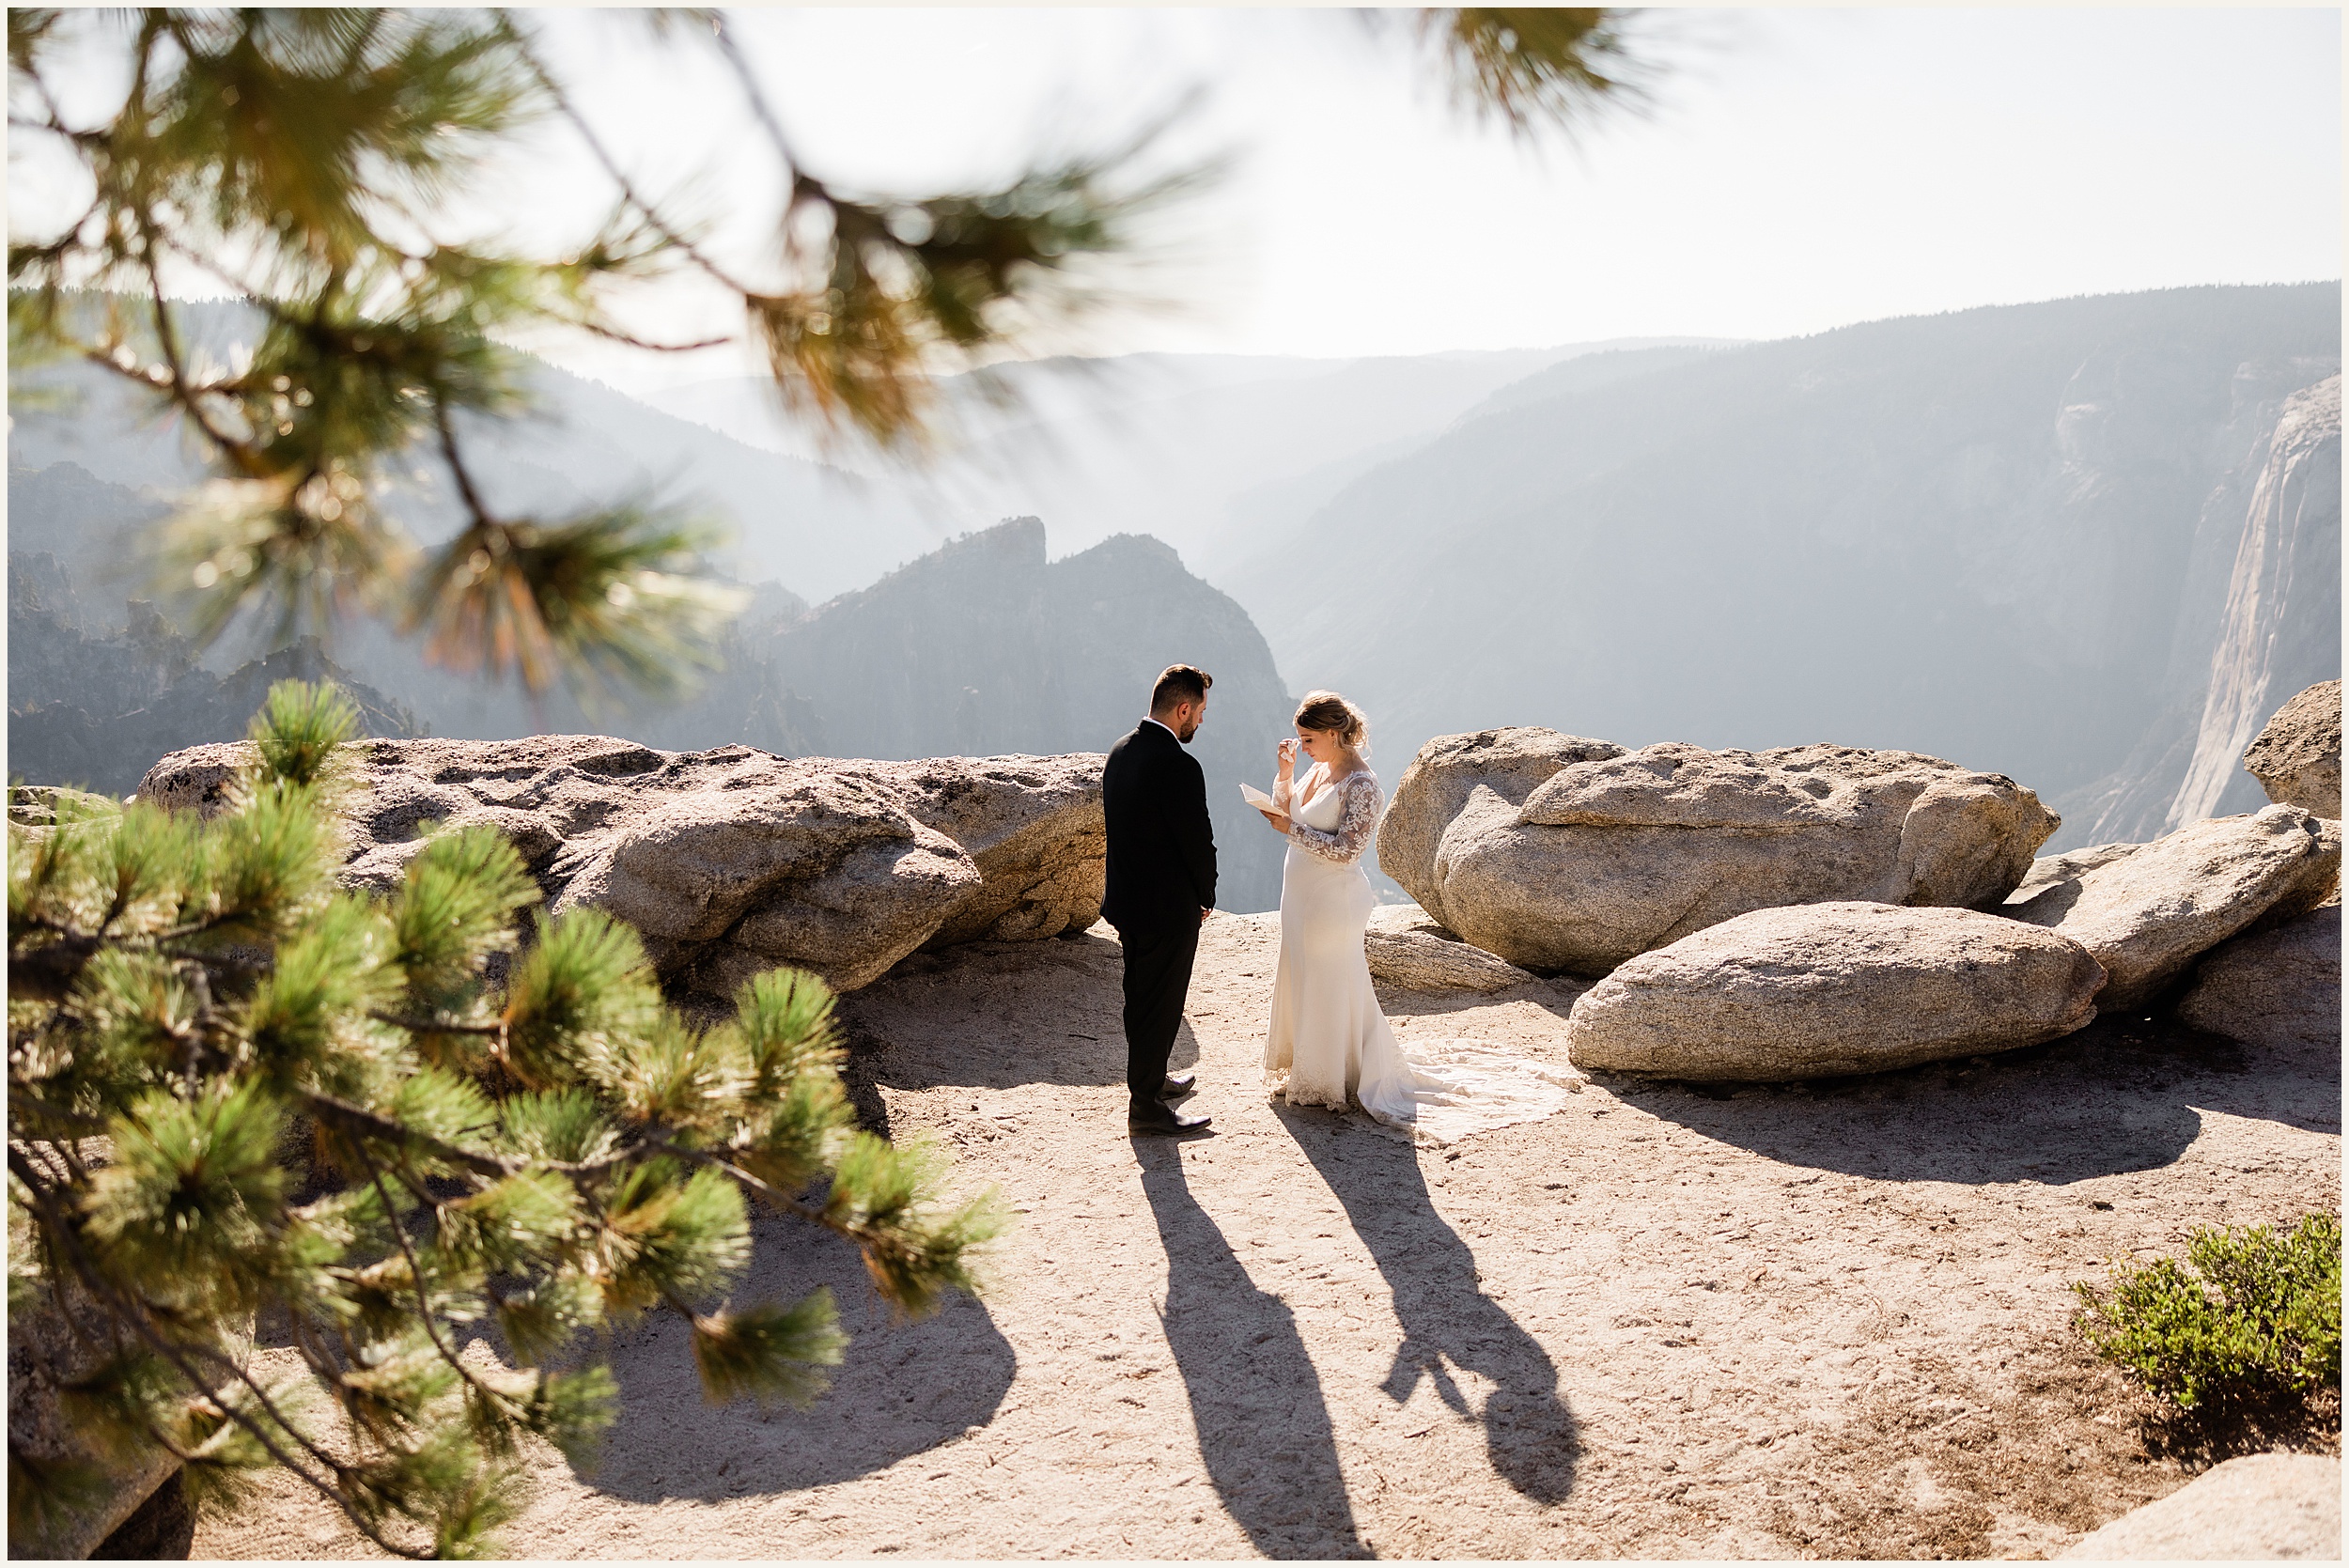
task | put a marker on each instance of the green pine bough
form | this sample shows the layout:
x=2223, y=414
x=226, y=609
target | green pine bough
x=2253, y=1314
x=236, y=1091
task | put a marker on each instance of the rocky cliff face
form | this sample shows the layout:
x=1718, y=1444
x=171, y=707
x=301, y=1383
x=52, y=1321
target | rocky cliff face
x=86, y=527
x=2259, y=618
x=93, y=706
x=986, y=647
x=1992, y=535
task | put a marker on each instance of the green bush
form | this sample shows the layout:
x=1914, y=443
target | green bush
x=2255, y=1314
x=238, y=1091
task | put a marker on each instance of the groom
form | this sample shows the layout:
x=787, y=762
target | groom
x=1161, y=886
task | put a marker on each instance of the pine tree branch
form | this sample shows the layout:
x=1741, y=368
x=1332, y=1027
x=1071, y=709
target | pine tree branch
x=363, y=1120
x=630, y=340
x=483, y=521
x=54, y=966
x=359, y=1118
x=47, y=973
x=424, y=1303
x=765, y=1189
x=437, y=1026
x=59, y=1229
x=669, y=233
x=168, y=340
x=758, y=98
x=23, y=1094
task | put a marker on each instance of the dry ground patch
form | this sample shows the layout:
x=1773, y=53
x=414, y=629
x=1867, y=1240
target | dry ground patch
x=1781, y=1322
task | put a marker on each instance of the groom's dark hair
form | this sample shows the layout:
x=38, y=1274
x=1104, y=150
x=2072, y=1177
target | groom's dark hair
x=1178, y=684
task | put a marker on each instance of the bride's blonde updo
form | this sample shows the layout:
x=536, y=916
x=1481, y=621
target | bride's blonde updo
x=1331, y=713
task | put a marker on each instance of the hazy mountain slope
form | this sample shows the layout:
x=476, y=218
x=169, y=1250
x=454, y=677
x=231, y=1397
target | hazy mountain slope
x=983, y=647
x=1161, y=445
x=747, y=409
x=90, y=530
x=820, y=528
x=1970, y=535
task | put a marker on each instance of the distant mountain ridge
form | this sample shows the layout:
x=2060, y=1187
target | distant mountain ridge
x=93, y=706
x=985, y=646
x=2080, y=542
x=1160, y=445
x=820, y=528
x=1988, y=535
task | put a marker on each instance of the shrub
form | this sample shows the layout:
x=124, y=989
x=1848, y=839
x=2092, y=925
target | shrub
x=2253, y=1314
x=236, y=1089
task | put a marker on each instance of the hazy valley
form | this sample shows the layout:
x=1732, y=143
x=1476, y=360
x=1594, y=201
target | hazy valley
x=2083, y=543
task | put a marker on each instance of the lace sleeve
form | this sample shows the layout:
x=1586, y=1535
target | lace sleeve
x=1345, y=844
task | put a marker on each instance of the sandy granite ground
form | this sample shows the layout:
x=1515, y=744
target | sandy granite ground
x=1783, y=1322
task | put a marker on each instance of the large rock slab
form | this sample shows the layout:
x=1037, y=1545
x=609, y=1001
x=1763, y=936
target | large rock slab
x=733, y=861
x=1448, y=771
x=1562, y=854
x=2150, y=913
x=1406, y=949
x=2259, y=1508
x=2296, y=758
x=1827, y=989
x=54, y=1339
x=2279, y=987
x=2051, y=871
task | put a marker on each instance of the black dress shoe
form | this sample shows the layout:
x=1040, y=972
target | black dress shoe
x=1155, y=1117
x=1177, y=1085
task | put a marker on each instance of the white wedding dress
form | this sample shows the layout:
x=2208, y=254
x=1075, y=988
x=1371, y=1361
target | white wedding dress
x=1330, y=1042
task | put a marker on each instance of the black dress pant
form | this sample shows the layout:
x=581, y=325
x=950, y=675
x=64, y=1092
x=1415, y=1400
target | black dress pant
x=1157, y=976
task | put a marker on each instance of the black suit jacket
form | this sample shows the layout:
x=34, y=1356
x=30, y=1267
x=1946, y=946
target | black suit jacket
x=1161, y=870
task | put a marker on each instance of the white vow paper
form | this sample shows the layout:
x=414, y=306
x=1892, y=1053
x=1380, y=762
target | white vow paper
x=1256, y=798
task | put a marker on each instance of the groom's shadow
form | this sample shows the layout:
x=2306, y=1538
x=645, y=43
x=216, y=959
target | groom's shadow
x=892, y=1044
x=1256, y=1401
x=1447, y=1319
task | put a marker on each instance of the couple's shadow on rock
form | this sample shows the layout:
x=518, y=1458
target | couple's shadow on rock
x=1256, y=1401
x=901, y=1389
x=2124, y=1094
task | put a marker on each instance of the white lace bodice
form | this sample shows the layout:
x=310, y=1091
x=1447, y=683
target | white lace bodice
x=1336, y=823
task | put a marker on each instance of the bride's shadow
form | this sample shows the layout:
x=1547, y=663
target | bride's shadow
x=1255, y=1400
x=1447, y=1319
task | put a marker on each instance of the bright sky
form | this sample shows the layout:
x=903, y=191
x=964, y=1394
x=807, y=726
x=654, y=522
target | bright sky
x=1797, y=170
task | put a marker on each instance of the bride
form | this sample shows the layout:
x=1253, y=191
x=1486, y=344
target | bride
x=1329, y=1043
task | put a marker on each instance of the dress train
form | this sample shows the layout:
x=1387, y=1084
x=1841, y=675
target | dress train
x=1329, y=1043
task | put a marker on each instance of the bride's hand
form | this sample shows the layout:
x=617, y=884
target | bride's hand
x=1280, y=820
x=1287, y=751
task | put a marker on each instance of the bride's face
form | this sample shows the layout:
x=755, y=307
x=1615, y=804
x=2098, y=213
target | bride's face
x=1320, y=745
